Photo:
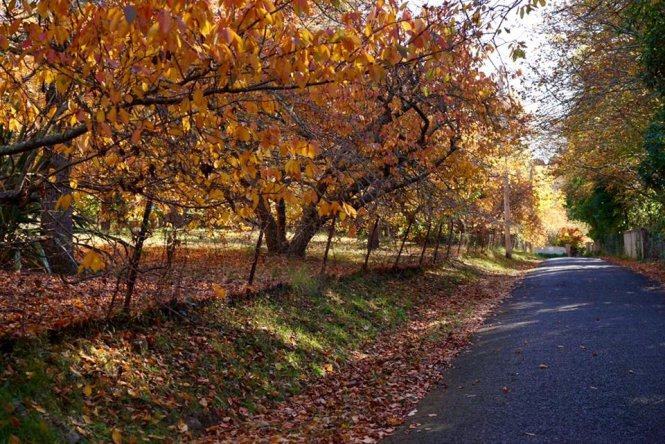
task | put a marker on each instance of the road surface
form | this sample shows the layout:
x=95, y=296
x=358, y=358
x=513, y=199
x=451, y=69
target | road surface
x=577, y=354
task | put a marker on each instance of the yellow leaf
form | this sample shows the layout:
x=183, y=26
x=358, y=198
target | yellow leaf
x=87, y=390
x=310, y=196
x=49, y=76
x=292, y=167
x=112, y=115
x=92, y=261
x=64, y=202
x=199, y=99
x=230, y=36
x=136, y=136
x=116, y=436
x=251, y=107
x=268, y=106
x=206, y=27
x=323, y=208
x=243, y=134
x=182, y=426
x=112, y=159
x=220, y=291
x=14, y=125
x=310, y=171
x=124, y=116
x=38, y=407
x=349, y=210
x=42, y=9
x=61, y=84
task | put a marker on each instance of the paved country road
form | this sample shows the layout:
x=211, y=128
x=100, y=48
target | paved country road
x=577, y=354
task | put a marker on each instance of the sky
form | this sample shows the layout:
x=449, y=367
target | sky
x=529, y=30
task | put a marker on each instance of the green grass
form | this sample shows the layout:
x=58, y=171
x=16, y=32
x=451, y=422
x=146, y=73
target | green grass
x=496, y=261
x=169, y=371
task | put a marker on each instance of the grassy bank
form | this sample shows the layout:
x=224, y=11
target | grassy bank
x=171, y=374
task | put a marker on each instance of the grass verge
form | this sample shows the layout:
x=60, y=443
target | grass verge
x=171, y=375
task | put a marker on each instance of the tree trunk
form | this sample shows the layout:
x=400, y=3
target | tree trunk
x=257, y=252
x=105, y=217
x=374, y=241
x=401, y=247
x=308, y=226
x=281, y=221
x=57, y=224
x=331, y=233
x=370, y=242
x=506, y=215
x=171, y=244
x=136, y=255
x=461, y=238
x=450, y=238
x=422, y=253
x=274, y=233
x=435, y=256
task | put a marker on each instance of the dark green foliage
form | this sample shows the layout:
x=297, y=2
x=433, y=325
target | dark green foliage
x=652, y=168
x=646, y=19
x=601, y=210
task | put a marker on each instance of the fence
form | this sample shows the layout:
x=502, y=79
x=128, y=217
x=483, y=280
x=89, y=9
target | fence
x=637, y=244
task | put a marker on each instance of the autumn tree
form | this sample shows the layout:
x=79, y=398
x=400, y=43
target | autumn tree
x=608, y=111
x=258, y=112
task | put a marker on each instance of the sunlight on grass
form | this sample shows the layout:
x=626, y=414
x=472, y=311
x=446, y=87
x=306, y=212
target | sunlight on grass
x=168, y=369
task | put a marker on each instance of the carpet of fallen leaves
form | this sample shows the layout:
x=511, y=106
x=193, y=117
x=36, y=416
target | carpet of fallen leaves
x=652, y=269
x=371, y=395
x=343, y=358
x=33, y=302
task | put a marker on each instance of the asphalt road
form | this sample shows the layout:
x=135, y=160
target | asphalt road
x=577, y=354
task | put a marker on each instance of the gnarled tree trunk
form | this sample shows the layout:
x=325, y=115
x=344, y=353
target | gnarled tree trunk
x=281, y=222
x=57, y=224
x=310, y=223
x=274, y=229
x=136, y=255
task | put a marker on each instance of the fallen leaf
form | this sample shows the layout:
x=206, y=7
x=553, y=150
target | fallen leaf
x=220, y=291
x=394, y=421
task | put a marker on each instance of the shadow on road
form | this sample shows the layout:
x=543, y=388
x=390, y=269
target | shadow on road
x=576, y=354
